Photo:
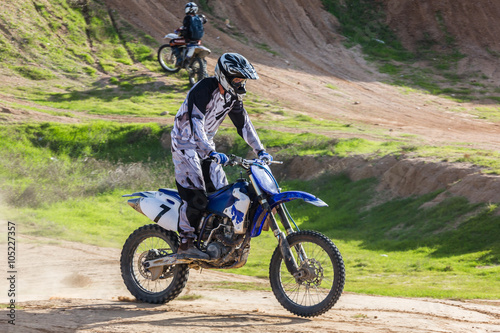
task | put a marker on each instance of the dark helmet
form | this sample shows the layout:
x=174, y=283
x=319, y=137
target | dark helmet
x=191, y=8
x=232, y=71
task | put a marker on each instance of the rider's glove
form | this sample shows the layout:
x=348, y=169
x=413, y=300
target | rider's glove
x=265, y=156
x=219, y=158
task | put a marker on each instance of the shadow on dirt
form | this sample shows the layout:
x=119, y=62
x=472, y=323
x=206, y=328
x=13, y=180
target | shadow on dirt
x=65, y=316
x=109, y=89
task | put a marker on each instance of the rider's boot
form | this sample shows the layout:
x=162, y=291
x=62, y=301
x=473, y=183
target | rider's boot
x=185, y=63
x=178, y=62
x=187, y=250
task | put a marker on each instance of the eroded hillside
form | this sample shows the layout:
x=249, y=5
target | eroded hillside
x=299, y=52
x=470, y=25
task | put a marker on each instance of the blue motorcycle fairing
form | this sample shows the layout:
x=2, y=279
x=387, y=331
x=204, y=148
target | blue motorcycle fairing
x=263, y=176
x=261, y=215
x=223, y=198
x=143, y=194
x=171, y=192
x=147, y=194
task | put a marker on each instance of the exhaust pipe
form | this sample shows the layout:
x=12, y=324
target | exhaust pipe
x=136, y=204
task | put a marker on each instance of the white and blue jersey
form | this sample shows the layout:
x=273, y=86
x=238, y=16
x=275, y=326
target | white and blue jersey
x=195, y=126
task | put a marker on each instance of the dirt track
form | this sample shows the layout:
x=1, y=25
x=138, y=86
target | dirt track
x=69, y=287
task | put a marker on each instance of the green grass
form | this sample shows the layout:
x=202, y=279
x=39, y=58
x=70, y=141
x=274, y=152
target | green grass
x=309, y=143
x=488, y=112
x=267, y=48
x=461, y=152
x=363, y=22
x=45, y=163
x=71, y=40
x=190, y=297
x=125, y=94
x=34, y=73
x=331, y=86
x=102, y=220
x=256, y=105
x=50, y=162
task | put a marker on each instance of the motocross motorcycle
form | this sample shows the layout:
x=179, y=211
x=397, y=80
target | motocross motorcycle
x=306, y=271
x=196, y=66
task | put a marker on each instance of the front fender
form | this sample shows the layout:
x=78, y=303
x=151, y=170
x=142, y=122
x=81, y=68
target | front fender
x=261, y=215
x=294, y=195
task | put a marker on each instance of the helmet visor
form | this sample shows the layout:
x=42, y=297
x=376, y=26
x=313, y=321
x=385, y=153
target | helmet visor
x=238, y=82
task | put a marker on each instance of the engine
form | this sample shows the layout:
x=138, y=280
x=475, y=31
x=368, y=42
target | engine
x=217, y=250
x=219, y=237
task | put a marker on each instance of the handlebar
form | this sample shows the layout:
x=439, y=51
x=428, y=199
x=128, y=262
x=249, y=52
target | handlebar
x=237, y=160
x=244, y=163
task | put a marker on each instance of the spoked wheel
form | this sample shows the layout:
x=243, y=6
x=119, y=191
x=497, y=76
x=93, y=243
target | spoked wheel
x=147, y=243
x=320, y=281
x=167, y=59
x=197, y=71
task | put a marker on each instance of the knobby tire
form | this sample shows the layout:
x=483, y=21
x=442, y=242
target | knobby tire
x=323, y=253
x=175, y=277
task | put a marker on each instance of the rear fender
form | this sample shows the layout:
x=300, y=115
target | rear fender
x=261, y=215
x=171, y=36
x=200, y=51
x=160, y=206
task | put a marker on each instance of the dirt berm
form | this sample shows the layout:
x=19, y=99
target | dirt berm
x=403, y=177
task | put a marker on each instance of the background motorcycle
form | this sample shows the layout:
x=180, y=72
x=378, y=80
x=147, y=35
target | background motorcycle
x=196, y=65
x=306, y=271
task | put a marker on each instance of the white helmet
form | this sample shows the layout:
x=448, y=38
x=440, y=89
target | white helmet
x=191, y=8
x=232, y=71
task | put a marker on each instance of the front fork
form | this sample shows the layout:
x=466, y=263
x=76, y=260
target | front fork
x=286, y=251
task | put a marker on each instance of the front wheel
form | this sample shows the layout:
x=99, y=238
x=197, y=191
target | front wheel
x=146, y=243
x=320, y=280
x=197, y=71
x=167, y=59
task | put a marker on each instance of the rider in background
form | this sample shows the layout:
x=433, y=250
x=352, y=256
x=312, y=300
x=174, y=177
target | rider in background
x=198, y=165
x=192, y=30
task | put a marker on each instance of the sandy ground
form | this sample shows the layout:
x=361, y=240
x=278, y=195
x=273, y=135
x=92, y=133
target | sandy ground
x=71, y=287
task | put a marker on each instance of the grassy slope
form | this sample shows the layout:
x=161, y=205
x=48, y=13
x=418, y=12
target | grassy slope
x=82, y=58
x=66, y=181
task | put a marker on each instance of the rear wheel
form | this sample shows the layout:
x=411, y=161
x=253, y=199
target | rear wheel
x=150, y=242
x=320, y=279
x=197, y=71
x=167, y=59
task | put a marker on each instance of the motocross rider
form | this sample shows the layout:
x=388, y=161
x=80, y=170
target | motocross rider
x=191, y=10
x=198, y=165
